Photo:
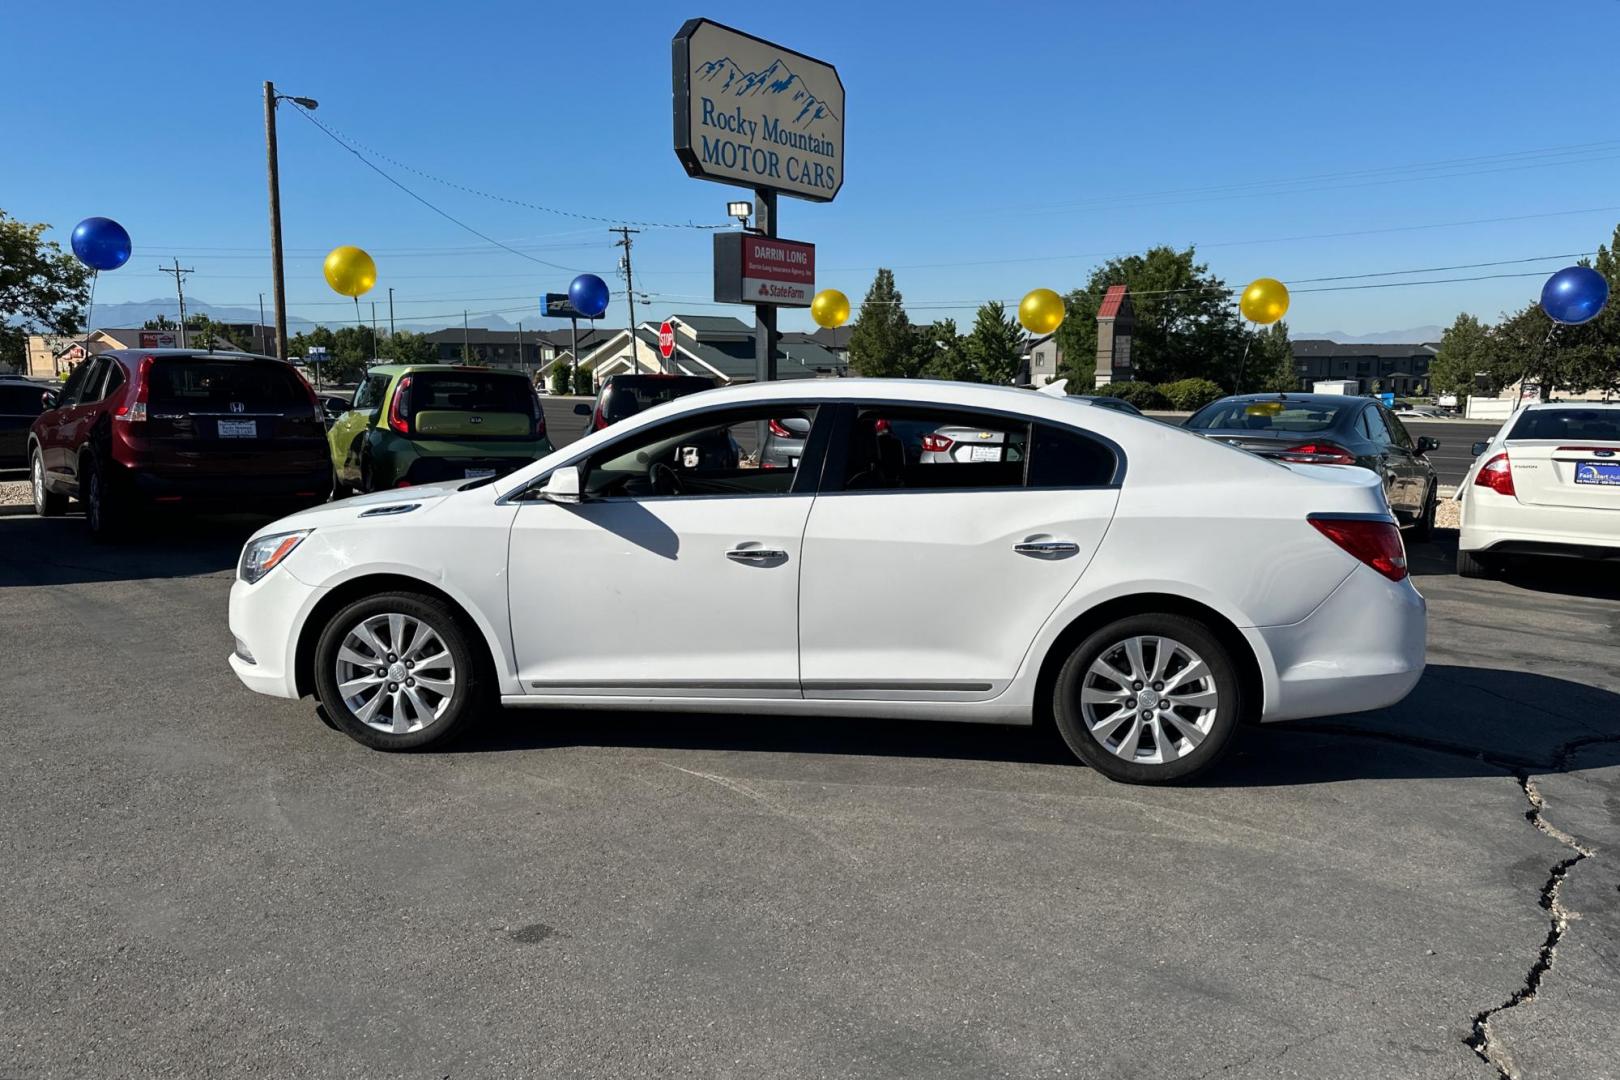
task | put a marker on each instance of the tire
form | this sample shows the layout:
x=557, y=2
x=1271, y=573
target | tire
x=366, y=486
x=1187, y=738
x=1471, y=565
x=402, y=713
x=1423, y=529
x=46, y=503
x=103, y=508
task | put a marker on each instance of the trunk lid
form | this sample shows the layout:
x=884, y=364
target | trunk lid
x=1566, y=456
x=231, y=415
x=477, y=403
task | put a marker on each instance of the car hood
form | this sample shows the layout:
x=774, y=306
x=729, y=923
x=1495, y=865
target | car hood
x=344, y=511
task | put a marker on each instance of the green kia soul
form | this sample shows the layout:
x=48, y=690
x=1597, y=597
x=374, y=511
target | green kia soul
x=430, y=423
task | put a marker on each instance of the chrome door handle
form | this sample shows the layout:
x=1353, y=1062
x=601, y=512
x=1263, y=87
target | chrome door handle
x=755, y=555
x=1047, y=547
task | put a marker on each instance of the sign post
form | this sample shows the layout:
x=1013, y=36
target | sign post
x=559, y=306
x=757, y=114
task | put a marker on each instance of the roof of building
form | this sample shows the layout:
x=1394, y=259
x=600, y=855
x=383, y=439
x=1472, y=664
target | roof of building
x=836, y=338
x=714, y=324
x=1323, y=347
x=1111, y=302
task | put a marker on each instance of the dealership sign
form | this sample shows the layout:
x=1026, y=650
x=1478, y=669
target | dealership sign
x=754, y=269
x=158, y=339
x=754, y=113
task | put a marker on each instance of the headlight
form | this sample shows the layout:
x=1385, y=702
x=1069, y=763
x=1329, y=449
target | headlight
x=263, y=555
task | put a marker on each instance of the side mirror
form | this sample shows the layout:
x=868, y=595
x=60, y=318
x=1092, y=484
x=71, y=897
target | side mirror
x=49, y=399
x=581, y=409
x=562, y=486
x=1426, y=443
x=1479, y=448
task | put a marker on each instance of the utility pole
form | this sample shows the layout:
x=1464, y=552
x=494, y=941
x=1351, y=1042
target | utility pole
x=390, y=311
x=521, y=365
x=277, y=275
x=629, y=291
x=466, y=345
x=258, y=331
x=374, y=331
x=180, y=288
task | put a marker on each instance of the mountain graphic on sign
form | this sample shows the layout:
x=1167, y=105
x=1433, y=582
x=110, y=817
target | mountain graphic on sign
x=727, y=77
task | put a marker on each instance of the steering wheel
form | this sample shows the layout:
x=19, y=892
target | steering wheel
x=664, y=479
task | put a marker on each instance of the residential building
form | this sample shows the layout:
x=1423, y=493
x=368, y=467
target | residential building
x=1399, y=369
x=718, y=346
x=524, y=350
x=52, y=355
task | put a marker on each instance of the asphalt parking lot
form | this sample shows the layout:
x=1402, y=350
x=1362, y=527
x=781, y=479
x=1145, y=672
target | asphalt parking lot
x=205, y=882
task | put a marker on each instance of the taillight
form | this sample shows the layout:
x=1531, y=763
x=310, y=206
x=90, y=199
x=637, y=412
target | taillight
x=399, y=410
x=881, y=427
x=133, y=411
x=780, y=430
x=1374, y=541
x=539, y=417
x=1318, y=453
x=937, y=444
x=598, y=421
x=1496, y=474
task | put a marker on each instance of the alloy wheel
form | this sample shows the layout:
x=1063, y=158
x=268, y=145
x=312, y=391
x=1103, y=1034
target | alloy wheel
x=39, y=486
x=1149, y=699
x=92, y=502
x=395, y=673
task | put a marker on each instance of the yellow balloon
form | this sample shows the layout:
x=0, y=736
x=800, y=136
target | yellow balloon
x=350, y=271
x=1041, y=311
x=1264, y=301
x=830, y=308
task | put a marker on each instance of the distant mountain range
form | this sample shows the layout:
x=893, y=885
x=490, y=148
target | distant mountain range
x=729, y=78
x=135, y=313
x=1416, y=335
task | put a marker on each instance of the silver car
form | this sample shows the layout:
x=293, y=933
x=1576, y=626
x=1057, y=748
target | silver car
x=969, y=444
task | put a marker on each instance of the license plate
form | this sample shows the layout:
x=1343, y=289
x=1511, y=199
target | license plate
x=239, y=429
x=984, y=453
x=1602, y=473
x=479, y=474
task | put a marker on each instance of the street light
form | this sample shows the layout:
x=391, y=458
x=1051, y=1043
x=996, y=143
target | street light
x=278, y=276
x=742, y=210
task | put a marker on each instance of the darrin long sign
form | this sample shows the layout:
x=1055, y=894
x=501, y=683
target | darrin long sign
x=754, y=113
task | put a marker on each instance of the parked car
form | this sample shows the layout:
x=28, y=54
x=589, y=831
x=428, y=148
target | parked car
x=333, y=406
x=1546, y=484
x=21, y=402
x=623, y=396
x=135, y=428
x=1156, y=591
x=1333, y=429
x=1104, y=402
x=426, y=423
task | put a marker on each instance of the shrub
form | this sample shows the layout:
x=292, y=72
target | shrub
x=1190, y=395
x=1143, y=395
x=562, y=379
x=584, y=382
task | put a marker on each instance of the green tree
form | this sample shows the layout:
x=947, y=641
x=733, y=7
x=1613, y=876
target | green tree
x=995, y=345
x=1186, y=323
x=1464, y=353
x=946, y=352
x=1270, y=364
x=162, y=322
x=405, y=347
x=883, y=341
x=42, y=288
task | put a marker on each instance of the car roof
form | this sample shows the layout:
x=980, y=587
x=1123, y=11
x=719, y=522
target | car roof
x=1303, y=399
x=1539, y=405
x=412, y=369
x=137, y=354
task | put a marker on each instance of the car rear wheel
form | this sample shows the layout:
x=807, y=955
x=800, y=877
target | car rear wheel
x=47, y=503
x=399, y=671
x=1472, y=565
x=103, y=509
x=1423, y=528
x=1149, y=699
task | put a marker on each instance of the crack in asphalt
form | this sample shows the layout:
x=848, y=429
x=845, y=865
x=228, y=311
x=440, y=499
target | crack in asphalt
x=1558, y=916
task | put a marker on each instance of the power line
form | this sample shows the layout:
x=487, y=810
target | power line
x=354, y=146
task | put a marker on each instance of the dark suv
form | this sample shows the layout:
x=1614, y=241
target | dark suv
x=623, y=396
x=139, y=427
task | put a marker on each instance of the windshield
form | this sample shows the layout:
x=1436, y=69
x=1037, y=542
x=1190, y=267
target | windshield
x=217, y=385
x=470, y=391
x=626, y=397
x=1602, y=425
x=1274, y=415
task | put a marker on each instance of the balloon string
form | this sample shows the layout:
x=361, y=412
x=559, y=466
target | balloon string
x=1237, y=387
x=89, y=311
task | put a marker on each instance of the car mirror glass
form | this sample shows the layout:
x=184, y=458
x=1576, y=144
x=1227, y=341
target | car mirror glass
x=581, y=409
x=1479, y=448
x=562, y=486
x=50, y=398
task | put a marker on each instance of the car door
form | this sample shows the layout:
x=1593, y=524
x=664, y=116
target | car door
x=677, y=574
x=1389, y=467
x=928, y=573
x=70, y=423
x=1411, y=462
x=19, y=407
x=347, y=431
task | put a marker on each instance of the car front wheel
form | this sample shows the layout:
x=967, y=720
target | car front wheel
x=398, y=671
x=1149, y=699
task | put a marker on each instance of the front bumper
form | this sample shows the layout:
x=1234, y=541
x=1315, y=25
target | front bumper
x=1362, y=648
x=265, y=617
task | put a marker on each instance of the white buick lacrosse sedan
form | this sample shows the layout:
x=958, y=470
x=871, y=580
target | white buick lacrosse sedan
x=1149, y=590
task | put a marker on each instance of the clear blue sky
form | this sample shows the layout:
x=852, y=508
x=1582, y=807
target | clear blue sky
x=990, y=148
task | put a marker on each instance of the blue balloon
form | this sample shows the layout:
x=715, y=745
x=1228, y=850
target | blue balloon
x=1574, y=295
x=589, y=295
x=101, y=243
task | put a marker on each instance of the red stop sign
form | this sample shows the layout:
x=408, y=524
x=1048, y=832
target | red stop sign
x=666, y=340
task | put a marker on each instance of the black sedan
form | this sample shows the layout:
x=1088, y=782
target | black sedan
x=21, y=402
x=1332, y=429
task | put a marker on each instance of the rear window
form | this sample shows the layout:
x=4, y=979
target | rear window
x=1602, y=425
x=1266, y=416
x=458, y=391
x=626, y=397
x=210, y=385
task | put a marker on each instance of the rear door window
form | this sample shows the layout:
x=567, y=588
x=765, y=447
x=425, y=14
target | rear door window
x=895, y=448
x=1061, y=458
x=1397, y=430
x=21, y=399
x=223, y=386
x=1573, y=424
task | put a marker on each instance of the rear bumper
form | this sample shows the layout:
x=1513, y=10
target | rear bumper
x=437, y=470
x=1362, y=648
x=308, y=485
x=1504, y=525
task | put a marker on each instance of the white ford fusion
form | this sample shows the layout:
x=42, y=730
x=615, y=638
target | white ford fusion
x=1149, y=590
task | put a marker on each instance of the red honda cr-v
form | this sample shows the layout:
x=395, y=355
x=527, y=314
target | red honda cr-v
x=136, y=427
